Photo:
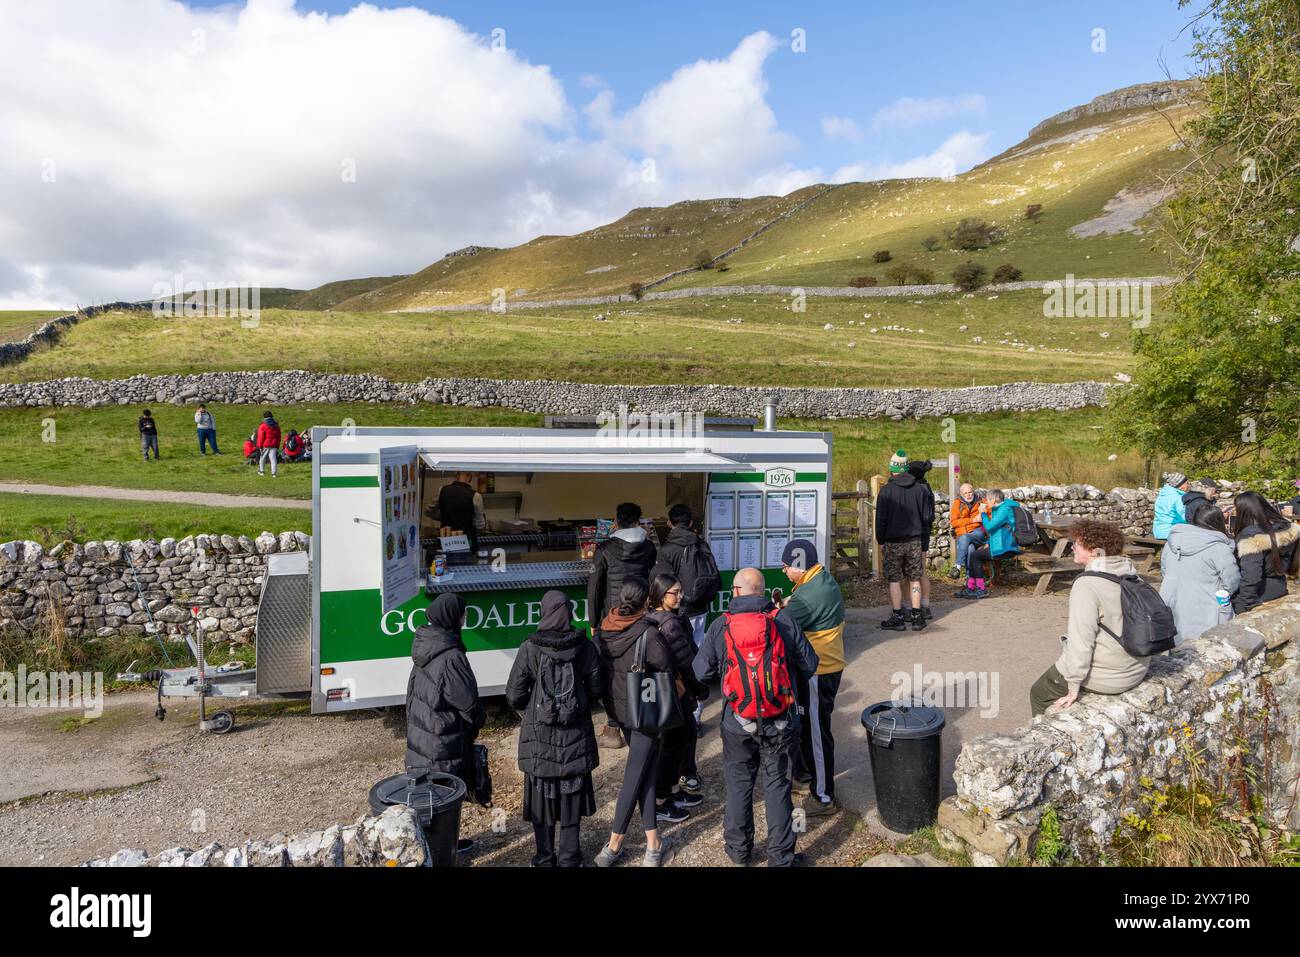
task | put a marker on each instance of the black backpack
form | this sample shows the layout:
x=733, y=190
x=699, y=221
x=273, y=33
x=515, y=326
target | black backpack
x=1148, y=623
x=698, y=573
x=559, y=698
x=1024, y=528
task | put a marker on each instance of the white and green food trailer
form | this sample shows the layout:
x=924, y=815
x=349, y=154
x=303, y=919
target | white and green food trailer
x=376, y=531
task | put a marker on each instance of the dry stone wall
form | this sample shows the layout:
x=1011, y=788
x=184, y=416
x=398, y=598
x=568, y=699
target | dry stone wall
x=544, y=396
x=1228, y=700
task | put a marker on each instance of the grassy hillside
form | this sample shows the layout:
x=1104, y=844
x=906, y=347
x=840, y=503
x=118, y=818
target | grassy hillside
x=665, y=341
x=644, y=245
x=332, y=293
x=17, y=324
x=1073, y=170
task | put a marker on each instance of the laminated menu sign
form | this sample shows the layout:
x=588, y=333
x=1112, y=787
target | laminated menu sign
x=805, y=508
x=399, y=546
x=749, y=509
x=749, y=550
x=778, y=509
x=722, y=510
x=723, y=547
x=774, y=543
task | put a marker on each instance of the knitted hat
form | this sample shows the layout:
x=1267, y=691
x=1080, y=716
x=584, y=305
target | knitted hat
x=1175, y=478
x=898, y=462
x=799, y=553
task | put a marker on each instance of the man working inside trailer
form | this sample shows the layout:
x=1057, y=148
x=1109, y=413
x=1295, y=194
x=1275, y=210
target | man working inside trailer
x=460, y=506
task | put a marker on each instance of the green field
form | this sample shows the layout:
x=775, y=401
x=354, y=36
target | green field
x=16, y=324
x=49, y=519
x=665, y=341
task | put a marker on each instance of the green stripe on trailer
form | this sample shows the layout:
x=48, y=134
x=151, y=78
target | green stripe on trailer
x=349, y=481
x=353, y=627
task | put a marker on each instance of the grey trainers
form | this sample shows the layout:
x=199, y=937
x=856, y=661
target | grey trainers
x=661, y=856
x=608, y=858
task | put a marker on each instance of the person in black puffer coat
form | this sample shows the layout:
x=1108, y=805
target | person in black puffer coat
x=678, y=779
x=1266, y=551
x=557, y=752
x=443, y=711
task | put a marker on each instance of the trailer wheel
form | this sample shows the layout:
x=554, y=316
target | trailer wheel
x=222, y=722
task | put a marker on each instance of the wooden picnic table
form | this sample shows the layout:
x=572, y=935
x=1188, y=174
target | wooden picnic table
x=1054, y=536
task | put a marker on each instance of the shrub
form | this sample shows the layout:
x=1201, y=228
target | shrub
x=1007, y=273
x=636, y=290
x=972, y=234
x=969, y=276
x=897, y=275
x=902, y=275
x=1033, y=211
x=930, y=243
x=922, y=276
x=860, y=282
x=703, y=259
x=881, y=256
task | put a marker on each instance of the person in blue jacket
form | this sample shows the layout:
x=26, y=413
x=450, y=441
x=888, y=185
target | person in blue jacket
x=1000, y=524
x=1170, y=510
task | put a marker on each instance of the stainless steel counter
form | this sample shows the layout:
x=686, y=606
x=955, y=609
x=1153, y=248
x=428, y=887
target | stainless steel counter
x=474, y=578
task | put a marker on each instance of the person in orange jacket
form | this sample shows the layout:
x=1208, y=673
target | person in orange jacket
x=966, y=527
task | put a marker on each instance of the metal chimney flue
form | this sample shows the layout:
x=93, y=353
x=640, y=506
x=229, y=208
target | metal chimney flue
x=769, y=413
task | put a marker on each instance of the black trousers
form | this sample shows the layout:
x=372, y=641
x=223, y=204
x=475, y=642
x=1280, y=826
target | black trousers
x=816, y=743
x=638, y=782
x=746, y=759
x=975, y=559
x=672, y=756
x=570, y=850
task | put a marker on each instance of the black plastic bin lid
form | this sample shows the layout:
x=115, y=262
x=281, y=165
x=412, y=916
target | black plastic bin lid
x=428, y=792
x=902, y=721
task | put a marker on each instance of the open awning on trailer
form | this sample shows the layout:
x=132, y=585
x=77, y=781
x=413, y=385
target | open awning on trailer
x=580, y=460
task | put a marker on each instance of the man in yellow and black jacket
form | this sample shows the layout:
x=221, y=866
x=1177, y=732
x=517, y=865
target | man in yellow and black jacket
x=817, y=604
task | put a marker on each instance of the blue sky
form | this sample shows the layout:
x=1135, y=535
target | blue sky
x=336, y=140
x=1028, y=59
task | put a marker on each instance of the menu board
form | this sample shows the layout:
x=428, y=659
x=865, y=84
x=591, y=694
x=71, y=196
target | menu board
x=749, y=506
x=722, y=510
x=399, y=545
x=774, y=545
x=724, y=551
x=805, y=509
x=778, y=509
x=749, y=550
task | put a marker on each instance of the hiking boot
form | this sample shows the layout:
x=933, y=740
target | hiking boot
x=739, y=859
x=610, y=737
x=956, y=571
x=928, y=612
x=608, y=858
x=686, y=798
x=918, y=620
x=689, y=783
x=815, y=808
x=660, y=856
x=464, y=845
x=670, y=813
x=895, y=622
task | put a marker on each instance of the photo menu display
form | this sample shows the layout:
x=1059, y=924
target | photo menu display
x=752, y=526
x=399, y=488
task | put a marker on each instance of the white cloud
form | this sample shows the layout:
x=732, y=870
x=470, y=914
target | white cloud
x=954, y=155
x=912, y=112
x=840, y=128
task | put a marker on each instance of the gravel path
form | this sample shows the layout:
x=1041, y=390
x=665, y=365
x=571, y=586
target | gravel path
x=157, y=495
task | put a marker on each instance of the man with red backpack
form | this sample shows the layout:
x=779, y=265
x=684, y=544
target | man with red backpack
x=761, y=653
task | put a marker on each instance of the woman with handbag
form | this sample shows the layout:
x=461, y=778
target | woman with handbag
x=642, y=693
x=678, y=785
x=556, y=676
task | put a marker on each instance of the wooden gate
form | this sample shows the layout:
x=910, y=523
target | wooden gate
x=854, y=519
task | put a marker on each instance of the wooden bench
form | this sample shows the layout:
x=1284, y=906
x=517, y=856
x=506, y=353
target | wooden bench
x=1046, y=565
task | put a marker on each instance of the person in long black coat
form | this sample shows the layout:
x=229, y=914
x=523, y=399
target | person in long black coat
x=557, y=756
x=443, y=711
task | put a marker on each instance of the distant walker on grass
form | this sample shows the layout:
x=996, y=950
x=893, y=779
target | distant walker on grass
x=206, y=427
x=268, y=444
x=148, y=435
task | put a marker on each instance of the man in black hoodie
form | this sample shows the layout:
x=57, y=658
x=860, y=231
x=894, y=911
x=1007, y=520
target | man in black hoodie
x=768, y=750
x=628, y=553
x=1202, y=494
x=904, y=516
